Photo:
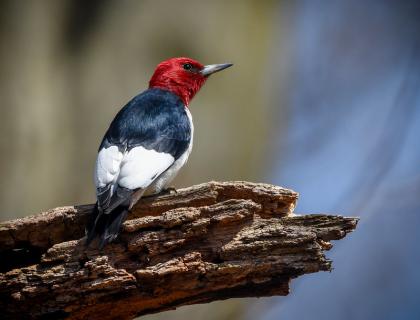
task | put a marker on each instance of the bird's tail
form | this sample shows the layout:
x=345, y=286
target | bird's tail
x=105, y=226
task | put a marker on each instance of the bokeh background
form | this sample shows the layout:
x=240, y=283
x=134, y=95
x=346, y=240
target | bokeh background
x=324, y=98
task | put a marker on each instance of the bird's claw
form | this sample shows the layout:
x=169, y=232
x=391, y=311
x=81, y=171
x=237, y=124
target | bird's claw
x=170, y=190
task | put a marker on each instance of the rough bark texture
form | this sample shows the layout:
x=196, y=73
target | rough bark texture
x=209, y=242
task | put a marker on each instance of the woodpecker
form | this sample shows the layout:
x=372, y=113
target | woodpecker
x=146, y=144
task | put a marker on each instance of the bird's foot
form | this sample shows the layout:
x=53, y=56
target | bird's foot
x=169, y=190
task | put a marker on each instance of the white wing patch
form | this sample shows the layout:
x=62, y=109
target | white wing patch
x=141, y=166
x=107, y=166
x=135, y=169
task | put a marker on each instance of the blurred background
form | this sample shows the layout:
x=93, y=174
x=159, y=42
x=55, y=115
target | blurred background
x=324, y=98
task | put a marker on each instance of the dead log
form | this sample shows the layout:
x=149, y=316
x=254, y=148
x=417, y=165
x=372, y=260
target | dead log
x=209, y=242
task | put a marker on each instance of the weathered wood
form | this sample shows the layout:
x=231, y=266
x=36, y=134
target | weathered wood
x=208, y=242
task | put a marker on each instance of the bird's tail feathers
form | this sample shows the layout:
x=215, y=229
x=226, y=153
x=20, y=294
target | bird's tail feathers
x=113, y=225
x=105, y=226
x=90, y=229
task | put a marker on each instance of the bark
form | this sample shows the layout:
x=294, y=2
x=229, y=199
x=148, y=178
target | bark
x=213, y=241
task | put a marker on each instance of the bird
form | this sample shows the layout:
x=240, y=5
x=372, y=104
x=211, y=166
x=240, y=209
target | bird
x=146, y=144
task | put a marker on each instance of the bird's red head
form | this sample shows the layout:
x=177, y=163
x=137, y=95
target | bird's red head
x=183, y=76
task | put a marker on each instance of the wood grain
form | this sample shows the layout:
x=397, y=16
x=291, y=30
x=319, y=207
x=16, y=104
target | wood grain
x=209, y=242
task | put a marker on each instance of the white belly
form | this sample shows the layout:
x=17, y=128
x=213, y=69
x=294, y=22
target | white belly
x=166, y=177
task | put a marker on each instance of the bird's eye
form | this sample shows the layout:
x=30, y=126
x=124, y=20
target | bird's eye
x=187, y=66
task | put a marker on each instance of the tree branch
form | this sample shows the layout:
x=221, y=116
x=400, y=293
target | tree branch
x=209, y=242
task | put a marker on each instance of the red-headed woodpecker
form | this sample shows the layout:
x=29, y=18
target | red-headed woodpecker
x=146, y=144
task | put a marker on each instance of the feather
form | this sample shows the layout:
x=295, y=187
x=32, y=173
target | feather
x=147, y=137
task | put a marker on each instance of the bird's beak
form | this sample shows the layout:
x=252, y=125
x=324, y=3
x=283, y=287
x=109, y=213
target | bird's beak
x=212, y=68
